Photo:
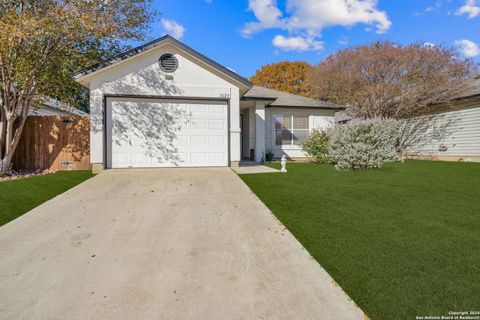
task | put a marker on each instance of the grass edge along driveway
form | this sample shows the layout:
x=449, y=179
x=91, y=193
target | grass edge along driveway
x=402, y=240
x=17, y=197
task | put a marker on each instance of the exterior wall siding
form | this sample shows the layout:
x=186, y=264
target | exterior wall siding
x=450, y=133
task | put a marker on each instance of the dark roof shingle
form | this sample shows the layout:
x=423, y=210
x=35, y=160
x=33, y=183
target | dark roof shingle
x=472, y=89
x=284, y=99
x=53, y=107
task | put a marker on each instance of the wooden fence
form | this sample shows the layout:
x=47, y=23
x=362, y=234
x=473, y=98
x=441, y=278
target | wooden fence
x=54, y=143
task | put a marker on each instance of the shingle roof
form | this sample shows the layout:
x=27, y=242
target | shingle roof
x=54, y=108
x=156, y=43
x=284, y=99
x=472, y=89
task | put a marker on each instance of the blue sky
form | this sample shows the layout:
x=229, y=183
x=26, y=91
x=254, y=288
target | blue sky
x=246, y=34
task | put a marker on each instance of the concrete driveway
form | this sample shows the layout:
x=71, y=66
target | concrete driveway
x=161, y=244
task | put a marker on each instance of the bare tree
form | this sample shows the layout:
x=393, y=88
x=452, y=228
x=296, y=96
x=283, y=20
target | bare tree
x=387, y=80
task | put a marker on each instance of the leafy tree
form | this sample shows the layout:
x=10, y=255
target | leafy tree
x=284, y=76
x=42, y=42
x=387, y=80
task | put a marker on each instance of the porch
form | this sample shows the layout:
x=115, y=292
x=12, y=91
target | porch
x=279, y=130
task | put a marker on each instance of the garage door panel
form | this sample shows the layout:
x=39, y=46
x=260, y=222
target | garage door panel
x=183, y=157
x=198, y=158
x=199, y=110
x=217, y=125
x=217, y=157
x=146, y=133
x=121, y=159
x=199, y=141
x=142, y=159
x=199, y=124
x=217, y=109
x=181, y=141
x=180, y=159
x=217, y=141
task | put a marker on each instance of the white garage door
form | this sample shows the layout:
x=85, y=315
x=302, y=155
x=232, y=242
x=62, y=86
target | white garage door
x=166, y=133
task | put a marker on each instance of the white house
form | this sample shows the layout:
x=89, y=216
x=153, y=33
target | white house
x=448, y=132
x=452, y=132
x=164, y=104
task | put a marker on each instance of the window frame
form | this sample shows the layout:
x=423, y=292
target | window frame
x=291, y=129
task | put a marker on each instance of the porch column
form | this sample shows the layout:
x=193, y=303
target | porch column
x=235, y=131
x=259, y=131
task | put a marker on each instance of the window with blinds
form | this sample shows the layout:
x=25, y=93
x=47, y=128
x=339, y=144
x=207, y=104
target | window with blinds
x=290, y=129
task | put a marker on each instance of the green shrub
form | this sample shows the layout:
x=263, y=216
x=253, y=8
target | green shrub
x=316, y=145
x=363, y=144
x=269, y=155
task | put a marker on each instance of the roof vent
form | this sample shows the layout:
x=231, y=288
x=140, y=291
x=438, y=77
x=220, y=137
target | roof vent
x=168, y=63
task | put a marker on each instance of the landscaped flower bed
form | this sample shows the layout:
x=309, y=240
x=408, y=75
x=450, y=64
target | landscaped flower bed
x=20, y=174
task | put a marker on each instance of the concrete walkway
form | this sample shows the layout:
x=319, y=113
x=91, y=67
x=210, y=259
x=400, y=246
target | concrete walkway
x=161, y=244
x=253, y=167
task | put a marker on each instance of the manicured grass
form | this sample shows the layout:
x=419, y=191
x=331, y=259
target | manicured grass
x=403, y=240
x=20, y=196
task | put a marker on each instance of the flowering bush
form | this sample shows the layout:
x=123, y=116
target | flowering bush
x=363, y=144
x=316, y=145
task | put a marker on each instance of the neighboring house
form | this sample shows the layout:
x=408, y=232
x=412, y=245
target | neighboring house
x=53, y=107
x=452, y=132
x=448, y=132
x=165, y=105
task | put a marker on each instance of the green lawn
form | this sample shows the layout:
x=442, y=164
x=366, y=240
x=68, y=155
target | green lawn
x=20, y=196
x=402, y=241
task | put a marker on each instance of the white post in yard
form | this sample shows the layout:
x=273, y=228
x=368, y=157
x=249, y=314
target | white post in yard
x=284, y=164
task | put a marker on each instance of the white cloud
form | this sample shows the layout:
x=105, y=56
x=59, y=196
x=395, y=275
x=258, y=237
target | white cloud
x=343, y=40
x=429, y=9
x=429, y=45
x=468, y=48
x=436, y=6
x=296, y=43
x=471, y=7
x=173, y=28
x=267, y=14
x=315, y=15
x=305, y=19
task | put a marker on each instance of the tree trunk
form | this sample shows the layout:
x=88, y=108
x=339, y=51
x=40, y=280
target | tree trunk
x=8, y=153
x=11, y=141
x=3, y=124
x=10, y=136
x=5, y=163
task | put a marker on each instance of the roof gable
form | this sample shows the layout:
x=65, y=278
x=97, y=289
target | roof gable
x=90, y=71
